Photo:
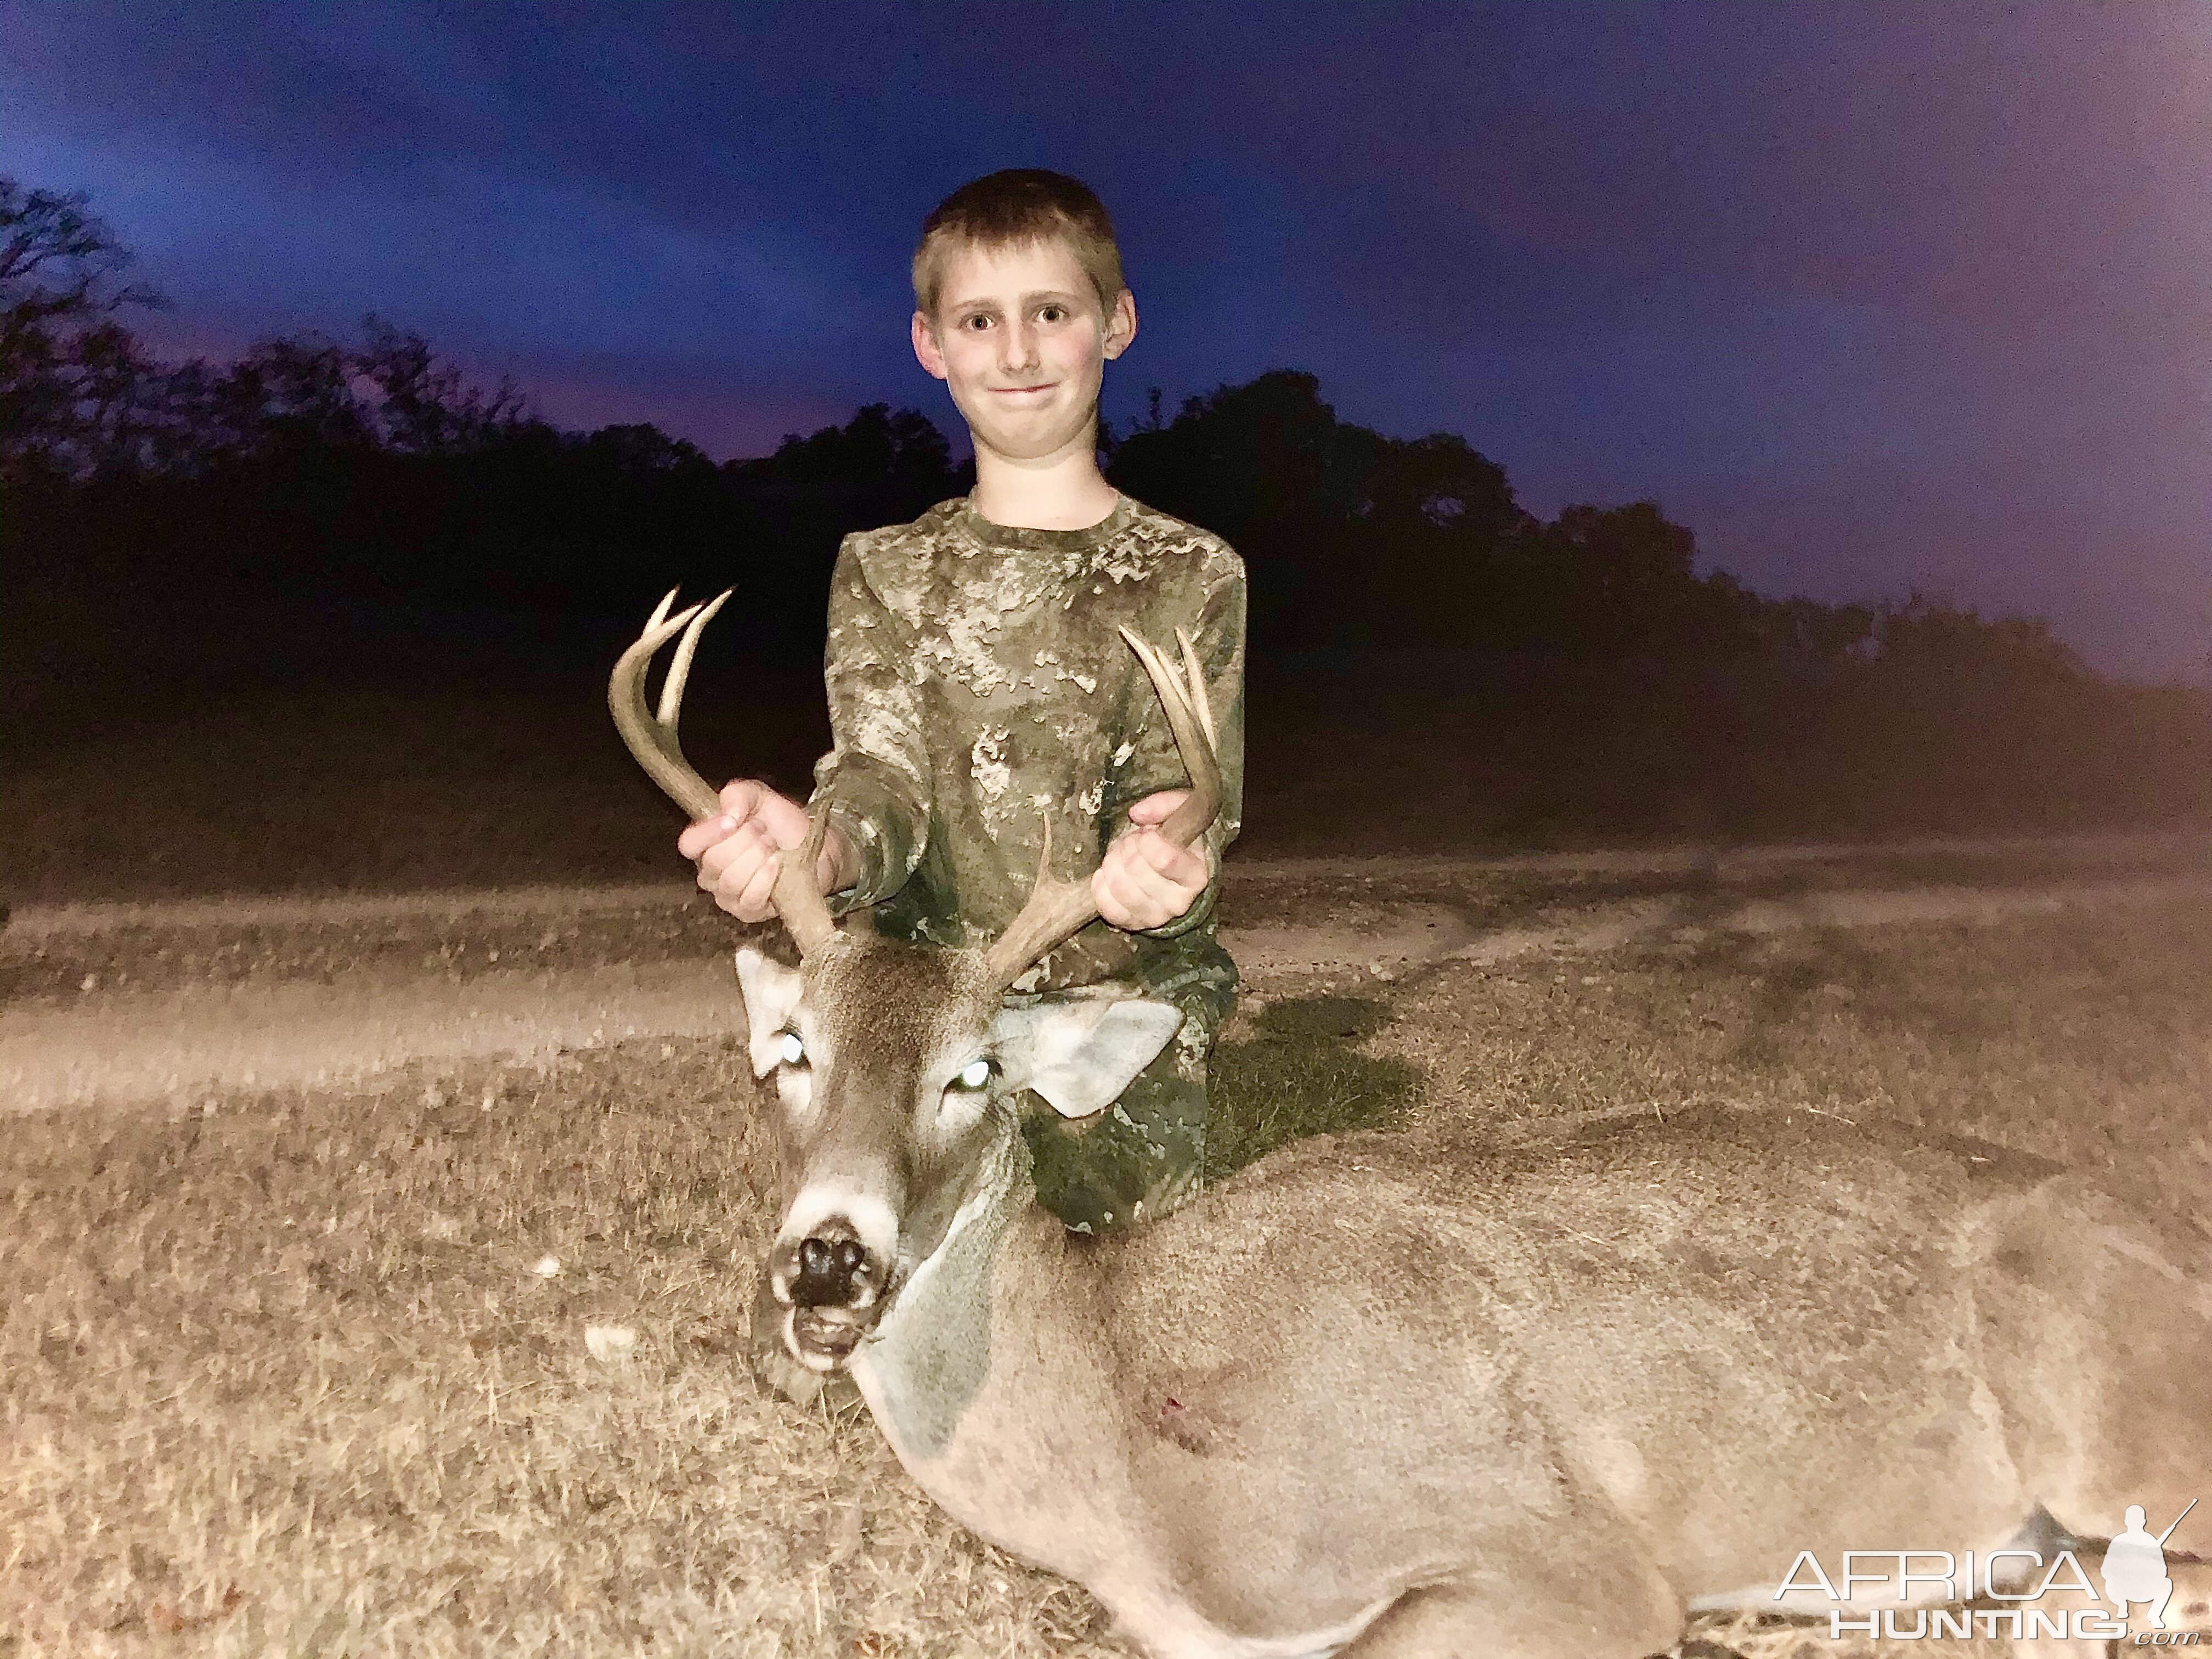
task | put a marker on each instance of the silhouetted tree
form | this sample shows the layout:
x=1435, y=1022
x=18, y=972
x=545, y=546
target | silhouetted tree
x=880, y=462
x=423, y=407
x=65, y=367
x=1622, y=581
x=1342, y=528
x=1808, y=638
x=298, y=390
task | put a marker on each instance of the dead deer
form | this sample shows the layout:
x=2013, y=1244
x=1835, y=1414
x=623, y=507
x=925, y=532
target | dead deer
x=1384, y=1395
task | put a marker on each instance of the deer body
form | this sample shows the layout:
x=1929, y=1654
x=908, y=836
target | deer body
x=1560, y=1391
x=1535, y=1397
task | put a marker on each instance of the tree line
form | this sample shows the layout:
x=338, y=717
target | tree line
x=373, y=470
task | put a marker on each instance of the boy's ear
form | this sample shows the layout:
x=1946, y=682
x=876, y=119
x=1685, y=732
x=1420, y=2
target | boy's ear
x=926, y=347
x=1079, y=1055
x=771, y=992
x=1120, y=326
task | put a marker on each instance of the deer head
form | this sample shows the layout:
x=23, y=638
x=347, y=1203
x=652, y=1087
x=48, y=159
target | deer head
x=899, y=1069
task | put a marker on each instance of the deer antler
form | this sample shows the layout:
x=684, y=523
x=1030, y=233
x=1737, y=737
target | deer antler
x=651, y=739
x=1055, y=908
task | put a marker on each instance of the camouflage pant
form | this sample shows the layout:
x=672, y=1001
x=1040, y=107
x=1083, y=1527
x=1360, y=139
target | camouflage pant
x=1143, y=1155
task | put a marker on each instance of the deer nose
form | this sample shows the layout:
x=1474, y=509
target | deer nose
x=828, y=1269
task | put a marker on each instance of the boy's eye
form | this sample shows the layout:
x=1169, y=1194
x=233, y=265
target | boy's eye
x=1053, y=313
x=975, y=1074
x=791, y=1050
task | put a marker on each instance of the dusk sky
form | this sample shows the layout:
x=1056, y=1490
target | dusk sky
x=1871, y=297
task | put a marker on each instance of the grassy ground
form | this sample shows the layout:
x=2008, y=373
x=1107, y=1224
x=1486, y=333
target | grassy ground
x=2085, y=1039
x=1300, y=1068
x=450, y=1367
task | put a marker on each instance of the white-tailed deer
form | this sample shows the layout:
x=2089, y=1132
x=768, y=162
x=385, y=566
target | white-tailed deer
x=1390, y=1396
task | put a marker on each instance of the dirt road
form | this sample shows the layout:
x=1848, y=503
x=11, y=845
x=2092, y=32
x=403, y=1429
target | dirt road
x=168, y=1005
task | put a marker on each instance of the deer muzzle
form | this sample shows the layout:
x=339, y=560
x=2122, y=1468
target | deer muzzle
x=833, y=1286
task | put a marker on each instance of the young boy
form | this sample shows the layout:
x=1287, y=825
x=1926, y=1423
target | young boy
x=977, y=684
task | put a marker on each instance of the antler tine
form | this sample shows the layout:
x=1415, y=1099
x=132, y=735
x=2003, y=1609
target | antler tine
x=1194, y=679
x=1191, y=720
x=1057, y=907
x=651, y=739
x=679, y=666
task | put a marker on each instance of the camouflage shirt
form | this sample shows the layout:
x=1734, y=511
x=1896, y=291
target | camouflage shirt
x=977, y=684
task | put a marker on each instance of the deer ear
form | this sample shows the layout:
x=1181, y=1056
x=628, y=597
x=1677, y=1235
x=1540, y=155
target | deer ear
x=771, y=992
x=1080, y=1054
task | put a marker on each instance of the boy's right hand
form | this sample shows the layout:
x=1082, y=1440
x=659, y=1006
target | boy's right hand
x=737, y=852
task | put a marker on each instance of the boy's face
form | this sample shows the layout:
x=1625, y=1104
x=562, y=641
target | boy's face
x=1019, y=340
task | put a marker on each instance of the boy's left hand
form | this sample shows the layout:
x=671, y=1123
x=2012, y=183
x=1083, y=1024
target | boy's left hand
x=1145, y=880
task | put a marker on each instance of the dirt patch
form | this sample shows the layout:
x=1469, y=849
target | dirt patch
x=169, y=1003
x=451, y=937
x=179, y=1044
x=1358, y=933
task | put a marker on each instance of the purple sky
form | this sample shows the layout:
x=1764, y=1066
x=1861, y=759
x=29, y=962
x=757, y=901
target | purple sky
x=1872, y=296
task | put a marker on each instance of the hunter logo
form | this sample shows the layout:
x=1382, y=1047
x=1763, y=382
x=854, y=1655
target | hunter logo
x=2055, y=1598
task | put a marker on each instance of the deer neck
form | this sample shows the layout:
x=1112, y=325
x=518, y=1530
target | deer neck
x=972, y=1328
x=992, y=1379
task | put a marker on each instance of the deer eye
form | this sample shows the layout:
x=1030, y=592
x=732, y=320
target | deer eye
x=790, y=1049
x=975, y=1074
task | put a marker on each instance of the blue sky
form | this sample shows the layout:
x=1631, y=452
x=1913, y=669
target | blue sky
x=1873, y=296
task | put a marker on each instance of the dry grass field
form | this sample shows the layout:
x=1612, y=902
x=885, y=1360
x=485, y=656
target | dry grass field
x=452, y=1366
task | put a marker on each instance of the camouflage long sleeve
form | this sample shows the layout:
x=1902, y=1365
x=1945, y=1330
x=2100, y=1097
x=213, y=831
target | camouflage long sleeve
x=875, y=778
x=978, y=684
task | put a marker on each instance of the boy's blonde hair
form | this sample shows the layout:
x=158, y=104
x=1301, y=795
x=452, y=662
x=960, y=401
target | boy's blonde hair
x=1015, y=207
